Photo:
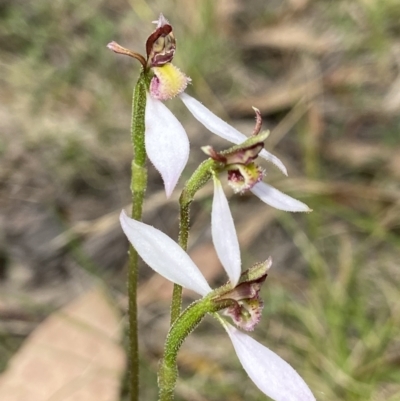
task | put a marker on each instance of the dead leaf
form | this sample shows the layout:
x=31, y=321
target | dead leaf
x=341, y=189
x=391, y=101
x=359, y=154
x=299, y=5
x=73, y=355
x=226, y=11
x=289, y=38
x=279, y=97
x=351, y=76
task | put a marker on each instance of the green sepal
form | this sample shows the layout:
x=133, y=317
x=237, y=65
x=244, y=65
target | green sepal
x=248, y=143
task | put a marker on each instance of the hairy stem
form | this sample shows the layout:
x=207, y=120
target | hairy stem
x=196, y=181
x=186, y=322
x=138, y=188
x=182, y=327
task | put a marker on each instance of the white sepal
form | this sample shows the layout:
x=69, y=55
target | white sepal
x=224, y=234
x=269, y=372
x=278, y=199
x=167, y=144
x=164, y=255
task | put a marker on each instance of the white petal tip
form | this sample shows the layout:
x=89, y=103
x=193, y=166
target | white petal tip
x=168, y=191
x=275, y=160
x=123, y=217
x=269, y=372
x=278, y=199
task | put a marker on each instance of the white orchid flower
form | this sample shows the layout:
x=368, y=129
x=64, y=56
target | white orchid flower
x=166, y=142
x=271, y=374
x=167, y=146
x=263, y=191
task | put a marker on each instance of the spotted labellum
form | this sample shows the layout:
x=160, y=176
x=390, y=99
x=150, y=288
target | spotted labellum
x=238, y=161
x=246, y=305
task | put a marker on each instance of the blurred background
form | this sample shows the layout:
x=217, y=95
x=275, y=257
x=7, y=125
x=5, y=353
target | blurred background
x=326, y=77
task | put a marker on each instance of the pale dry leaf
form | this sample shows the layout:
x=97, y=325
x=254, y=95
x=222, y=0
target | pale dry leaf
x=342, y=190
x=289, y=37
x=346, y=76
x=298, y=5
x=359, y=154
x=226, y=12
x=281, y=96
x=156, y=288
x=74, y=355
x=391, y=101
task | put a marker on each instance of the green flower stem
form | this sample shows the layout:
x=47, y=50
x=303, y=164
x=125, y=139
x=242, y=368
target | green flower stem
x=138, y=188
x=199, y=178
x=186, y=322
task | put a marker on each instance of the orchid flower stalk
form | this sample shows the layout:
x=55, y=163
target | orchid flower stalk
x=138, y=189
x=199, y=178
x=147, y=141
x=239, y=299
x=157, y=134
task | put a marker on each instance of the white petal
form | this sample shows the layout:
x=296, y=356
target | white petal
x=223, y=129
x=273, y=159
x=167, y=144
x=278, y=199
x=269, y=372
x=211, y=121
x=164, y=255
x=224, y=234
